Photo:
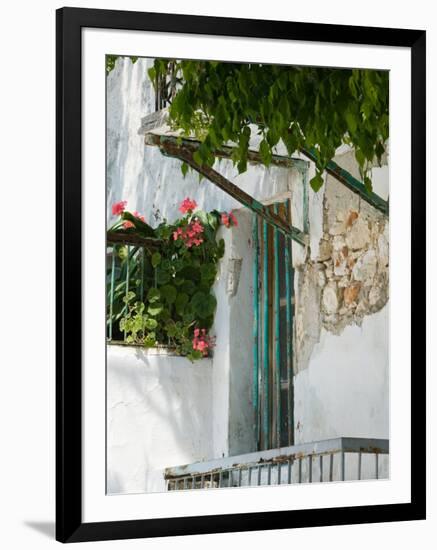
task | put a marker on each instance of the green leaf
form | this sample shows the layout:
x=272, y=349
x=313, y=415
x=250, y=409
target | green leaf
x=171, y=329
x=184, y=169
x=122, y=252
x=359, y=155
x=265, y=152
x=156, y=259
x=129, y=297
x=162, y=276
x=180, y=302
x=168, y=292
x=188, y=287
x=153, y=295
x=368, y=184
x=213, y=219
x=316, y=182
x=208, y=272
x=178, y=264
x=203, y=304
x=154, y=309
x=201, y=216
x=351, y=121
x=197, y=158
x=150, y=324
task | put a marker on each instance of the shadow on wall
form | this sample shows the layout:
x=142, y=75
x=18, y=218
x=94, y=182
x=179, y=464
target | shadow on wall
x=159, y=415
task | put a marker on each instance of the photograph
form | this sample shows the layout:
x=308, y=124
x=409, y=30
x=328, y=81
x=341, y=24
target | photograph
x=247, y=291
x=217, y=310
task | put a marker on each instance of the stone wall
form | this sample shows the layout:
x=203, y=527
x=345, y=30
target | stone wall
x=341, y=363
x=347, y=277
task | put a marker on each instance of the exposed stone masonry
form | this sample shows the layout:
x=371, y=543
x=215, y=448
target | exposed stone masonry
x=349, y=278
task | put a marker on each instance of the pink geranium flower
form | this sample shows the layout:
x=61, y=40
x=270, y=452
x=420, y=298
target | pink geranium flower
x=118, y=208
x=139, y=216
x=190, y=235
x=233, y=219
x=202, y=342
x=229, y=219
x=128, y=224
x=187, y=205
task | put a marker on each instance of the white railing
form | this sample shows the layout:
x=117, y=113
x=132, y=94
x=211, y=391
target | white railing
x=340, y=459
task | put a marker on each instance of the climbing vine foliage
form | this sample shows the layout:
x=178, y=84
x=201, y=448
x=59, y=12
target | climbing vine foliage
x=305, y=107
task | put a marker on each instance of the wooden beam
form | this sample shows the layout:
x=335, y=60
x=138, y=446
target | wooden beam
x=155, y=127
x=119, y=237
x=184, y=151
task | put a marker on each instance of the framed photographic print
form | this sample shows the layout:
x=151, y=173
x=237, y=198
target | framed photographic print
x=240, y=274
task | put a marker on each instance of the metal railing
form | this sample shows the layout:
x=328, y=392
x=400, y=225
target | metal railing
x=340, y=459
x=131, y=271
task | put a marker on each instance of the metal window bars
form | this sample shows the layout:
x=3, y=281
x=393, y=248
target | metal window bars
x=128, y=269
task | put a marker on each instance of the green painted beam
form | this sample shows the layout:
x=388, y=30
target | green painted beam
x=356, y=186
x=255, y=331
x=277, y=334
x=183, y=151
x=266, y=340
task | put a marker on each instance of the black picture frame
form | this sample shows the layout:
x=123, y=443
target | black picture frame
x=69, y=525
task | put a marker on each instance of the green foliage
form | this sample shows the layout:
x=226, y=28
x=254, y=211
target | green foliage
x=111, y=59
x=305, y=107
x=169, y=285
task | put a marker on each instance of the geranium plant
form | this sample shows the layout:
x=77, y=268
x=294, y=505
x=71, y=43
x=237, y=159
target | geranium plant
x=169, y=300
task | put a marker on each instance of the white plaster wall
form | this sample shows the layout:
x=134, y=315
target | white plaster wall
x=241, y=432
x=345, y=389
x=159, y=414
x=232, y=360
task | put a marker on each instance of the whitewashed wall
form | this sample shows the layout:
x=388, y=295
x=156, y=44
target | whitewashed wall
x=159, y=414
x=344, y=391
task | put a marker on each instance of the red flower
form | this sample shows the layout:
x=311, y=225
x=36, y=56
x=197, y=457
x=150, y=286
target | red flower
x=233, y=219
x=139, y=216
x=202, y=342
x=190, y=235
x=118, y=208
x=225, y=219
x=229, y=219
x=187, y=205
x=128, y=224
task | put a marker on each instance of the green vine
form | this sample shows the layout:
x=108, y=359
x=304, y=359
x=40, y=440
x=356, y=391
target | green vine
x=111, y=59
x=305, y=107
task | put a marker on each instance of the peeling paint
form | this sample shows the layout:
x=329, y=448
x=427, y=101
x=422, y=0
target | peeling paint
x=347, y=278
